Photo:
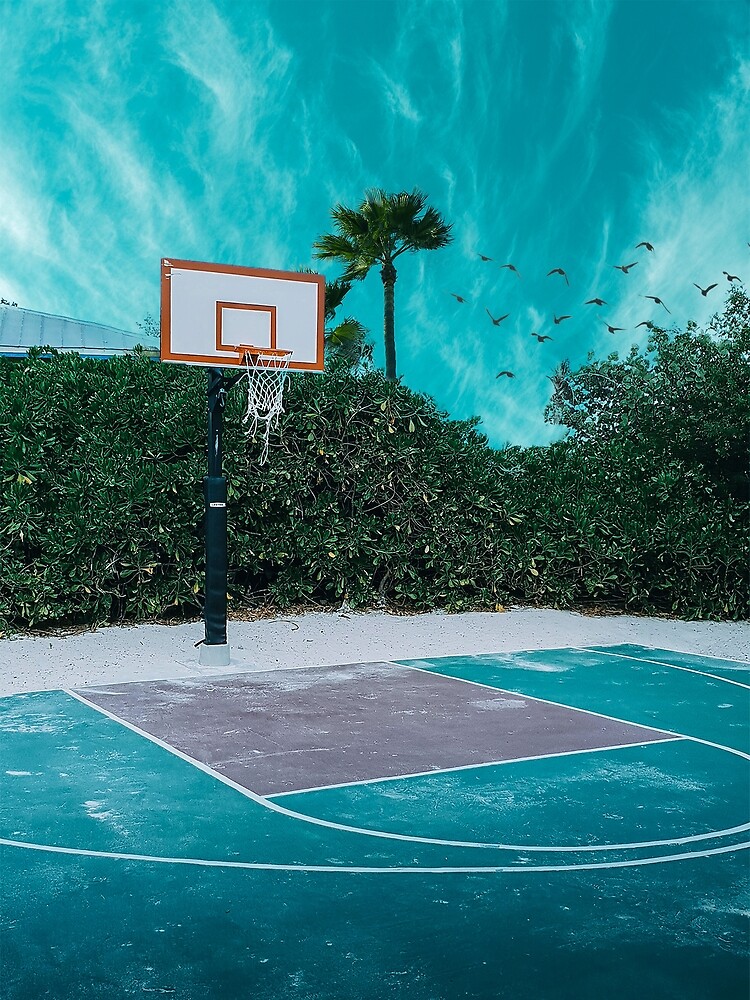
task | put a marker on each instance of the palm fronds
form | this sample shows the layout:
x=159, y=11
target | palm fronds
x=384, y=226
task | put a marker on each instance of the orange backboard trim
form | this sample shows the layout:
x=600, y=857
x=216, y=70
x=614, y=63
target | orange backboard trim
x=221, y=306
x=166, y=353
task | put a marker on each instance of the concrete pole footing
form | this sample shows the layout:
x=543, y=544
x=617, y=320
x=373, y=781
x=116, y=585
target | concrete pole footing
x=215, y=655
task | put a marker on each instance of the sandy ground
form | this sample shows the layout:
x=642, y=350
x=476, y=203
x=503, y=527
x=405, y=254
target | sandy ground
x=151, y=652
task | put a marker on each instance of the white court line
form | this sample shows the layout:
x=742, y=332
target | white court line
x=661, y=663
x=593, y=648
x=267, y=803
x=434, y=672
x=469, y=767
x=370, y=870
x=704, y=656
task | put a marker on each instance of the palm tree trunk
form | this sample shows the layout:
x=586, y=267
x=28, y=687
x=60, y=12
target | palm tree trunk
x=388, y=274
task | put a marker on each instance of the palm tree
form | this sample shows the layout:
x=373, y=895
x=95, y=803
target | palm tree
x=383, y=227
x=346, y=340
x=335, y=293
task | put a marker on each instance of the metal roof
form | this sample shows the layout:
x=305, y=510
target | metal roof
x=21, y=329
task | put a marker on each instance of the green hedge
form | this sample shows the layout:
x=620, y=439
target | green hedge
x=370, y=495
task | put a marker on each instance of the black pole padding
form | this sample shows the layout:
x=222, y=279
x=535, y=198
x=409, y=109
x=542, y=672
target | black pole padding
x=216, y=396
x=215, y=608
x=215, y=494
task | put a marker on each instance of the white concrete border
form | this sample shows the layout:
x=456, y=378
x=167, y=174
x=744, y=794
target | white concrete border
x=160, y=652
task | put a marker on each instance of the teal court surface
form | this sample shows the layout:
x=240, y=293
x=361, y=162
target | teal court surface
x=563, y=823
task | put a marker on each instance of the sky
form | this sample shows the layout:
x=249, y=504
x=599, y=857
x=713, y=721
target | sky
x=549, y=133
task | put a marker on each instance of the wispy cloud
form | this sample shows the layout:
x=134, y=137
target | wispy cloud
x=239, y=74
x=690, y=204
x=243, y=84
x=395, y=94
x=227, y=131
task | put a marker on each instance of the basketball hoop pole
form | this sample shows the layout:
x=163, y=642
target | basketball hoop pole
x=214, y=650
x=257, y=325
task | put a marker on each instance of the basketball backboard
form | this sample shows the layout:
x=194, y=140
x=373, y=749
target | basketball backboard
x=208, y=310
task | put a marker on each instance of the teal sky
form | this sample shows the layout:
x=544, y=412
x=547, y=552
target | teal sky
x=551, y=134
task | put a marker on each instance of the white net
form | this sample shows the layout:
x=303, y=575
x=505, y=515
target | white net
x=266, y=374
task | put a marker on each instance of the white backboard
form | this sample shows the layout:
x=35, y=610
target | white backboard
x=209, y=309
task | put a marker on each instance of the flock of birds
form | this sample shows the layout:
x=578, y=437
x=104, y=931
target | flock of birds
x=624, y=268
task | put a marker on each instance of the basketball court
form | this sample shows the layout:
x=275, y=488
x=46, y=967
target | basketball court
x=564, y=822
x=567, y=822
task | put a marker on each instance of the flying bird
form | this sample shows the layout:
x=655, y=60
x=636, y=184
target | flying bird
x=482, y=256
x=509, y=374
x=559, y=270
x=595, y=302
x=648, y=246
x=625, y=267
x=645, y=322
x=558, y=319
x=730, y=277
x=499, y=319
x=511, y=267
x=457, y=297
x=612, y=329
x=540, y=337
x=657, y=300
x=704, y=291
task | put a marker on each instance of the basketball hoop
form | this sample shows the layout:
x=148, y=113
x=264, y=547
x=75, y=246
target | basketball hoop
x=207, y=309
x=267, y=372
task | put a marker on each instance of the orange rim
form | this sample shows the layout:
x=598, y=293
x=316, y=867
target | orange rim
x=275, y=352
